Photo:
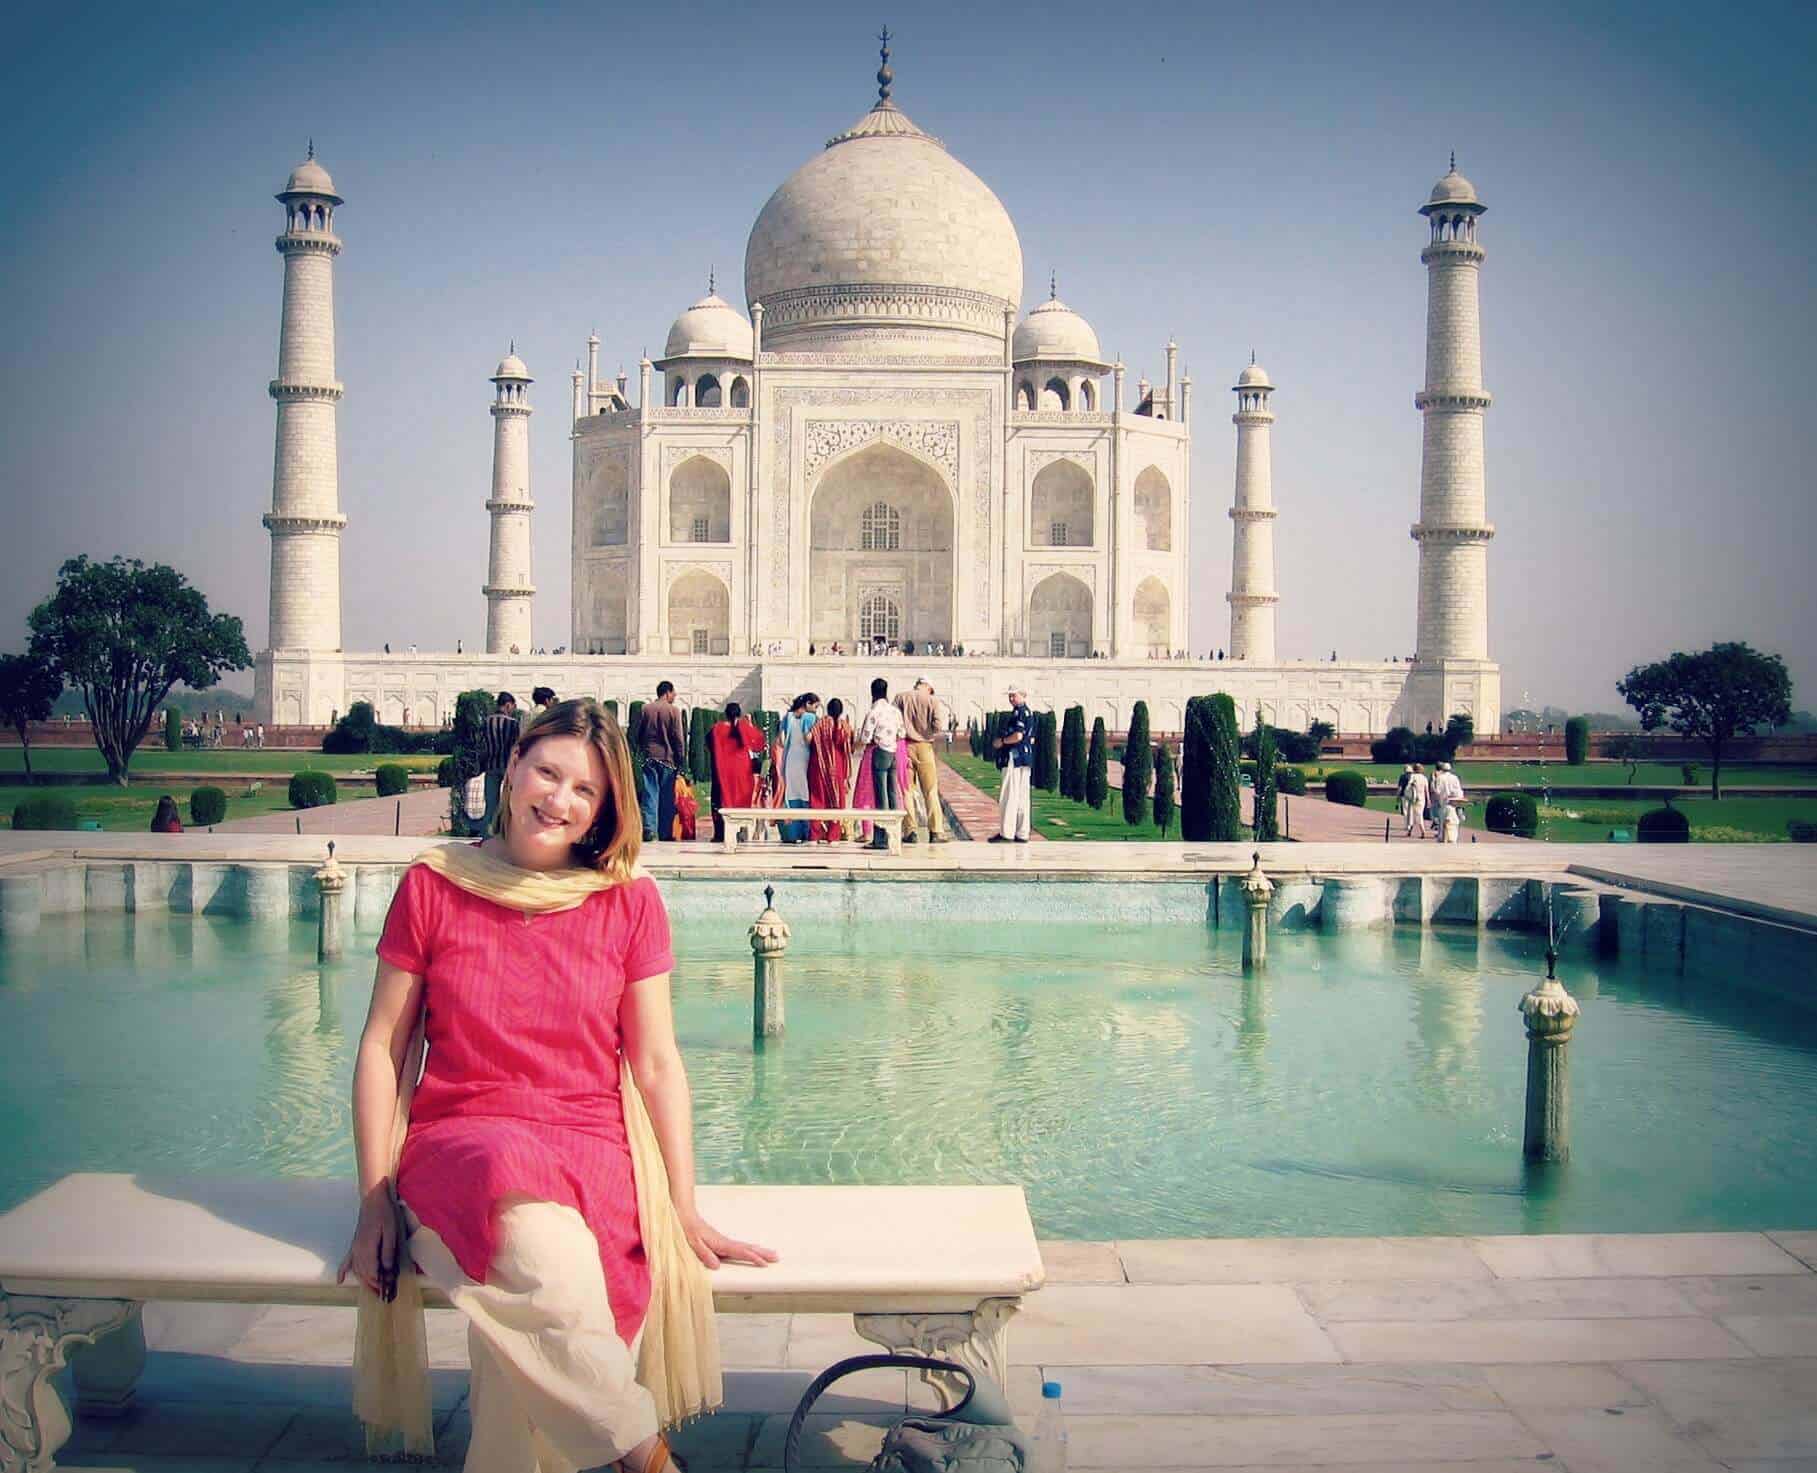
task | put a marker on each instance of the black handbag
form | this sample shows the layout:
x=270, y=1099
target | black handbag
x=977, y=1436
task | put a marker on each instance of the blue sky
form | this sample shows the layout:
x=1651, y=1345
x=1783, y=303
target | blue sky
x=1235, y=176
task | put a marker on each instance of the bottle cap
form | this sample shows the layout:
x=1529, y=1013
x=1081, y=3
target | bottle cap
x=1051, y=1390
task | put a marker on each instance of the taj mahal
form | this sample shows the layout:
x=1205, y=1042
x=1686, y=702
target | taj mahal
x=882, y=452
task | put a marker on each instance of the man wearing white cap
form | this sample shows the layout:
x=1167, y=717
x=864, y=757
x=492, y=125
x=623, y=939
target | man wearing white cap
x=1447, y=800
x=1016, y=756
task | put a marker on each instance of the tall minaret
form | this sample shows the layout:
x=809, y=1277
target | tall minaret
x=305, y=519
x=1453, y=532
x=508, y=587
x=1252, y=597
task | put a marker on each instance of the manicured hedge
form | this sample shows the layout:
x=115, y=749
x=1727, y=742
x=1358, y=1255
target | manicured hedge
x=173, y=730
x=1267, y=813
x=1512, y=813
x=1097, y=767
x=1664, y=826
x=1577, y=740
x=1225, y=747
x=45, y=811
x=444, y=773
x=391, y=779
x=1347, y=788
x=1290, y=780
x=1165, y=783
x=1072, y=754
x=1138, y=767
x=207, y=805
x=312, y=789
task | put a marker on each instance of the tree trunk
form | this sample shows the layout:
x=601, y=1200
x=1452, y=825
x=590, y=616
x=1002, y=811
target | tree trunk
x=25, y=750
x=1715, y=770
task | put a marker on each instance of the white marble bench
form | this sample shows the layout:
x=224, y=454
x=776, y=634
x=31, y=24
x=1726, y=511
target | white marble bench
x=938, y=1270
x=890, y=820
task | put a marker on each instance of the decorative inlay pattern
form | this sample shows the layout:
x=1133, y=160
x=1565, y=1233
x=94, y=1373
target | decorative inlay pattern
x=1059, y=417
x=675, y=455
x=827, y=439
x=1039, y=460
x=722, y=570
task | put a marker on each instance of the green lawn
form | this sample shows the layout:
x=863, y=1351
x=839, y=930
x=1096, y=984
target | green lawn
x=1588, y=820
x=1591, y=774
x=155, y=759
x=1055, y=817
x=129, y=810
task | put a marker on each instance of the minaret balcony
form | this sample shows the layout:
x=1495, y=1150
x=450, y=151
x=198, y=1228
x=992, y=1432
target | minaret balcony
x=289, y=393
x=492, y=590
x=1252, y=417
x=1253, y=513
x=1251, y=600
x=1453, y=253
x=525, y=505
x=1453, y=399
x=298, y=242
x=279, y=526
x=502, y=410
x=1422, y=532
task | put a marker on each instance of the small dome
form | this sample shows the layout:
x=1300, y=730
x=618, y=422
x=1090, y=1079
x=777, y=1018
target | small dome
x=1254, y=376
x=1453, y=189
x=1054, y=331
x=711, y=328
x=511, y=366
x=309, y=177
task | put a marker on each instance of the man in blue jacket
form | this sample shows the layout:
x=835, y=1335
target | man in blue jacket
x=1016, y=756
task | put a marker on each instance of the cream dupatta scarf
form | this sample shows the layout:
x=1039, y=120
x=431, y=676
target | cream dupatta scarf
x=678, y=1358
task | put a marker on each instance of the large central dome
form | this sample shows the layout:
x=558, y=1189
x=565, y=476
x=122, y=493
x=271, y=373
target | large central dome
x=884, y=243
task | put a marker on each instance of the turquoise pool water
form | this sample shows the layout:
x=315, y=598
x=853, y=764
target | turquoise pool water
x=1130, y=1079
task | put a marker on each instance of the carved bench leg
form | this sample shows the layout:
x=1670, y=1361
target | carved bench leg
x=977, y=1341
x=108, y=1370
x=36, y=1337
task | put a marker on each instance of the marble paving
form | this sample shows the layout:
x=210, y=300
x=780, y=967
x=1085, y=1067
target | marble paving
x=1669, y=1353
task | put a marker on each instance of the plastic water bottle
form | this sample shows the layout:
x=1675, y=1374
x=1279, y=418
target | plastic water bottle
x=1050, y=1433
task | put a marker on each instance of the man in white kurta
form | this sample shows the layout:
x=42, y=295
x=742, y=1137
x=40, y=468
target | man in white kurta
x=1413, y=802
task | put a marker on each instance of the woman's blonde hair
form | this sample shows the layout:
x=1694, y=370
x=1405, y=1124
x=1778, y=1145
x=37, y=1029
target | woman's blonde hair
x=611, y=843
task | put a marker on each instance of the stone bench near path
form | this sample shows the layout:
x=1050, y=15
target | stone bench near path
x=928, y=1270
x=747, y=822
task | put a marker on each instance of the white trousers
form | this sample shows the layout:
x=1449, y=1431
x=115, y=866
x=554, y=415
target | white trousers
x=1450, y=820
x=1012, y=802
x=1414, y=818
x=554, y=1389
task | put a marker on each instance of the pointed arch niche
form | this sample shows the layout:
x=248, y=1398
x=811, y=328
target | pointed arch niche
x=906, y=507
x=1060, y=503
x=1153, y=616
x=1059, y=618
x=700, y=502
x=700, y=615
x=1154, y=510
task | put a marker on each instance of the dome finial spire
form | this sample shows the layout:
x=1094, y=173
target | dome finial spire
x=1454, y=161
x=712, y=281
x=1053, y=286
x=514, y=347
x=884, y=75
x=312, y=148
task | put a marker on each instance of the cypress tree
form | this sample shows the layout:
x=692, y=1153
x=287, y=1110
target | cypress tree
x=1138, y=767
x=1226, y=745
x=637, y=756
x=1164, y=787
x=1267, y=818
x=1072, y=755
x=1046, y=775
x=1195, y=773
x=1097, y=766
x=173, y=730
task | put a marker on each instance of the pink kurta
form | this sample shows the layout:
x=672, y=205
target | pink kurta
x=520, y=1092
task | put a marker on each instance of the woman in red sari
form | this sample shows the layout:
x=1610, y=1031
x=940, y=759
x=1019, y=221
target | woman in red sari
x=830, y=745
x=735, y=741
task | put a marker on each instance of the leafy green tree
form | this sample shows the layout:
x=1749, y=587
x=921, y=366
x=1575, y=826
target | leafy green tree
x=1138, y=767
x=1321, y=731
x=29, y=687
x=700, y=752
x=1226, y=770
x=1460, y=731
x=123, y=634
x=1267, y=818
x=1625, y=748
x=1097, y=766
x=1072, y=755
x=471, y=709
x=1165, y=782
x=1577, y=740
x=1714, y=695
x=1046, y=774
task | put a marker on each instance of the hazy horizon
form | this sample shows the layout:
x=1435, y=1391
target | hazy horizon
x=1235, y=180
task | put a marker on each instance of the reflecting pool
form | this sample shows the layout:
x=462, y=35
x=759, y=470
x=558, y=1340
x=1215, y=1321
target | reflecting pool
x=1131, y=1079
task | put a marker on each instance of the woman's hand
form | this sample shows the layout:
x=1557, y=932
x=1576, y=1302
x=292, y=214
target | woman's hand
x=373, y=1255
x=714, y=1247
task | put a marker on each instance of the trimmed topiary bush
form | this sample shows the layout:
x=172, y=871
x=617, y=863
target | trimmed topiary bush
x=1577, y=740
x=391, y=779
x=1350, y=789
x=312, y=789
x=1290, y=780
x=1225, y=745
x=1138, y=767
x=1165, y=784
x=1397, y=746
x=1097, y=766
x=207, y=806
x=1512, y=813
x=353, y=732
x=1072, y=754
x=1195, y=773
x=444, y=773
x=1663, y=826
x=173, y=730
x=1267, y=818
x=45, y=811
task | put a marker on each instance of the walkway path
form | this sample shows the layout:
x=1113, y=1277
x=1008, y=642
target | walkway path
x=1689, y=1352
x=419, y=812
x=975, y=809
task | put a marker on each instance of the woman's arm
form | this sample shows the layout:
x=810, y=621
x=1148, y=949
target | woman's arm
x=397, y=998
x=646, y=1027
